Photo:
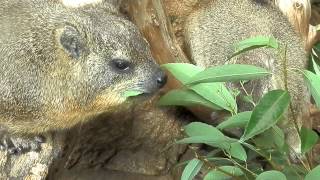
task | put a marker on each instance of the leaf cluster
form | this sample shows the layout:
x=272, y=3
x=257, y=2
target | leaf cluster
x=236, y=157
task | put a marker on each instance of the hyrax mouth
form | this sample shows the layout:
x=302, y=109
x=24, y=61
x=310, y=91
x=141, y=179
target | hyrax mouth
x=148, y=85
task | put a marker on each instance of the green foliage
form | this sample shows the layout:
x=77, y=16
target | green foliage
x=255, y=42
x=261, y=137
x=313, y=82
x=192, y=169
x=267, y=113
x=314, y=174
x=212, y=136
x=202, y=129
x=271, y=138
x=315, y=66
x=131, y=93
x=313, y=79
x=308, y=139
x=271, y=175
x=184, y=97
x=226, y=172
x=278, y=136
x=217, y=94
x=239, y=120
x=228, y=73
x=182, y=71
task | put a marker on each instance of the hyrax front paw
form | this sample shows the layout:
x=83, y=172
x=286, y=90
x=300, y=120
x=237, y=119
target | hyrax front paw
x=19, y=145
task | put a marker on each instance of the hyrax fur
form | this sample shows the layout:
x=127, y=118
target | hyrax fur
x=61, y=65
x=212, y=31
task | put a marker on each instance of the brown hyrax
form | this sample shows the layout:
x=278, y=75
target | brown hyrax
x=212, y=31
x=61, y=65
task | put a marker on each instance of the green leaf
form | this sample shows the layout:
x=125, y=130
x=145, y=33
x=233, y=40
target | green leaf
x=185, y=98
x=314, y=174
x=218, y=175
x=308, y=139
x=313, y=82
x=271, y=175
x=218, y=94
x=220, y=142
x=255, y=42
x=231, y=146
x=235, y=92
x=228, y=72
x=213, y=153
x=192, y=169
x=270, y=138
x=248, y=99
x=182, y=71
x=203, y=133
x=294, y=172
x=131, y=93
x=239, y=120
x=201, y=129
x=232, y=170
x=267, y=113
x=236, y=150
x=278, y=136
x=315, y=65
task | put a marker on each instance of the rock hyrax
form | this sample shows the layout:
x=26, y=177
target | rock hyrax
x=61, y=65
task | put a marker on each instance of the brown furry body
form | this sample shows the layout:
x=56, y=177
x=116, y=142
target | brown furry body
x=212, y=31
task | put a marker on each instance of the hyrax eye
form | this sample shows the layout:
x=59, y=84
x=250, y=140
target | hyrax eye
x=121, y=64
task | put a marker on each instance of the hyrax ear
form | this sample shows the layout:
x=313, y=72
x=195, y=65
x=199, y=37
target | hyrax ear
x=71, y=41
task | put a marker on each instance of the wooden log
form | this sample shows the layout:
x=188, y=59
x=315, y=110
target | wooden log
x=299, y=14
x=152, y=20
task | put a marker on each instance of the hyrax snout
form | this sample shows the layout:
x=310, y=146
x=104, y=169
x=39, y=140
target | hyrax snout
x=61, y=66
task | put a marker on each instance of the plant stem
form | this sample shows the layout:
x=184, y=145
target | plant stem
x=211, y=165
x=247, y=94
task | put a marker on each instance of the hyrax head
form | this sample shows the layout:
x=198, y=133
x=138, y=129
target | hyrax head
x=99, y=58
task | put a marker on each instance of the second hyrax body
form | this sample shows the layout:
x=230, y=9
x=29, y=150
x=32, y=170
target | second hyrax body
x=212, y=31
x=60, y=66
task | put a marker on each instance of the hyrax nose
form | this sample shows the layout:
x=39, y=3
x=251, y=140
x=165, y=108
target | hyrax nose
x=161, y=79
